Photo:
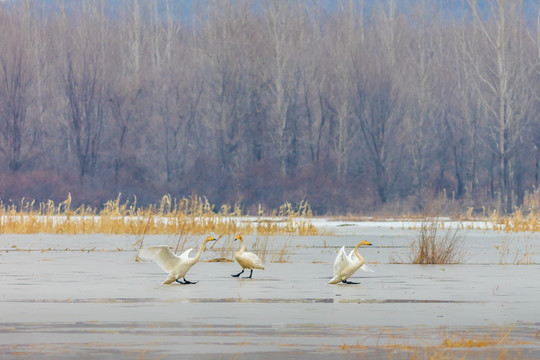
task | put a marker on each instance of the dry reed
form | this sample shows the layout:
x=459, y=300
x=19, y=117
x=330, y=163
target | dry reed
x=434, y=245
x=514, y=252
x=265, y=247
x=193, y=216
x=517, y=222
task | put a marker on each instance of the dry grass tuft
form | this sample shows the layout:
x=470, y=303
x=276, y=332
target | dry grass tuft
x=262, y=246
x=513, y=251
x=434, y=245
x=282, y=254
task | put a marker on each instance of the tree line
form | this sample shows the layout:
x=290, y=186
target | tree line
x=269, y=101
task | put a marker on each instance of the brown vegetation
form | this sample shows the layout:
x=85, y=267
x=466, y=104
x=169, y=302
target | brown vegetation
x=516, y=222
x=434, y=245
x=180, y=217
x=500, y=344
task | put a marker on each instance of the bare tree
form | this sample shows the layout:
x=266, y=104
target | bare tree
x=314, y=75
x=378, y=106
x=379, y=111
x=229, y=79
x=178, y=109
x=422, y=111
x=500, y=82
x=281, y=18
x=463, y=116
x=278, y=90
x=341, y=84
x=86, y=86
x=19, y=131
x=125, y=108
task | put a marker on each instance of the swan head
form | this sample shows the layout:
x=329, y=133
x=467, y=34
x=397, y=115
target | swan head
x=238, y=237
x=210, y=238
x=364, y=242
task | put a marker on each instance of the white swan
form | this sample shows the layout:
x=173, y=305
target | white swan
x=346, y=265
x=246, y=259
x=176, y=266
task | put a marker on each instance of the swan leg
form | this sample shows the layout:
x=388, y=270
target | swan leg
x=237, y=275
x=349, y=282
x=250, y=274
x=186, y=282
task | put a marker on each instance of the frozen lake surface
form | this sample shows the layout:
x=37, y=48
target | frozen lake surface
x=67, y=296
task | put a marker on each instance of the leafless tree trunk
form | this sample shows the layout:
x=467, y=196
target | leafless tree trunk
x=124, y=105
x=422, y=107
x=18, y=132
x=228, y=78
x=501, y=75
x=279, y=20
x=86, y=88
x=378, y=107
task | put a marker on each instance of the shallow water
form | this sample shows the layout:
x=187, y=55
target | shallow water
x=100, y=303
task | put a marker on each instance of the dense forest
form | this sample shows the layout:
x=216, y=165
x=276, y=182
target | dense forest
x=264, y=102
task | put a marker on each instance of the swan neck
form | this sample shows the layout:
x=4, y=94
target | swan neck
x=243, y=247
x=358, y=254
x=198, y=256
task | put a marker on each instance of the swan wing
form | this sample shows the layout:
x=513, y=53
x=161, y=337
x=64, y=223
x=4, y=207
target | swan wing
x=250, y=261
x=257, y=263
x=162, y=255
x=366, y=268
x=185, y=254
x=341, y=261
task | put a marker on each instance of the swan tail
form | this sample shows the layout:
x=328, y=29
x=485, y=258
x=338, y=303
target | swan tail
x=335, y=280
x=170, y=279
x=366, y=268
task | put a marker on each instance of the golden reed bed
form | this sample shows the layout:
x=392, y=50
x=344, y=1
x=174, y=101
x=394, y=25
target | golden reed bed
x=193, y=215
x=196, y=216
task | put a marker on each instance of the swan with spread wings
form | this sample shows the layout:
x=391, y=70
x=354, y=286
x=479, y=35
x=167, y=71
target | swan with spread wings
x=176, y=266
x=346, y=265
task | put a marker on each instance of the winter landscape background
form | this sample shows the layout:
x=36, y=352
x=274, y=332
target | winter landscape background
x=353, y=106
